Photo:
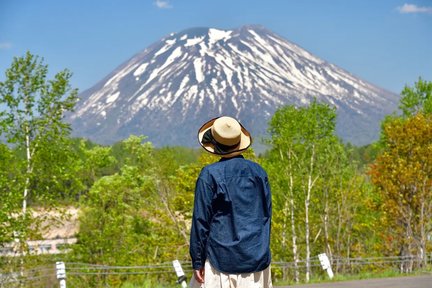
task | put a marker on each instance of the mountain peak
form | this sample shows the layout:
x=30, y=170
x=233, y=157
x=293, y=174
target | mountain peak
x=191, y=76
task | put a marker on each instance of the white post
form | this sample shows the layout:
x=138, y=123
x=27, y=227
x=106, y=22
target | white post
x=180, y=274
x=61, y=274
x=325, y=264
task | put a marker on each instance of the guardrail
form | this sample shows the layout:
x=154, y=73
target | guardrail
x=78, y=274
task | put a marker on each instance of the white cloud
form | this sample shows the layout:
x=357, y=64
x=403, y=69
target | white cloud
x=163, y=4
x=5, y=45
x=412, y=8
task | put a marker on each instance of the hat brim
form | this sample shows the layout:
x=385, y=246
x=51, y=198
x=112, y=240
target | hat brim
x=245, y=140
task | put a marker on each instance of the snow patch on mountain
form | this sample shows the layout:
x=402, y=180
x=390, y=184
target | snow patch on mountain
x=111, y=98
x=199, y=74
x=215, y=35
x=194, y=41
x=140, y=70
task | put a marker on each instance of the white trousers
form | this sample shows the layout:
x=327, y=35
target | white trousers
x=216, y=279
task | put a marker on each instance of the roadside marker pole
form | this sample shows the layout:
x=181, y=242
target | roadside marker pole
x=325, y=264
x=180, y=274
x=61, y=274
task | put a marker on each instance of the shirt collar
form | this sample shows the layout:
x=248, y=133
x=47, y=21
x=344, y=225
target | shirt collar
x=225, y=159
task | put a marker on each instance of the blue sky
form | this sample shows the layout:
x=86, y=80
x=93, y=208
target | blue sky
x=386, y=42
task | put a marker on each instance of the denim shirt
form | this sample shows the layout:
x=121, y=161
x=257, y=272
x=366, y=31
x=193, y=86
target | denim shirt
x=232, y=217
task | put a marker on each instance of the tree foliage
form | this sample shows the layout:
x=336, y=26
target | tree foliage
x=403, y=172
x=136, y=200
x=10, y=201
x=32, y=123
x=416, y=99
x=313, y=183
x=134, y=206
x=35, y=105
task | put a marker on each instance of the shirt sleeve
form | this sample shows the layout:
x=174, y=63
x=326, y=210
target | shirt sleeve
x=202, y=215
x=268, y=195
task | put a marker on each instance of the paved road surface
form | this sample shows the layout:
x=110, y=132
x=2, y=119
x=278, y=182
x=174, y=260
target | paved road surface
x=424, y=281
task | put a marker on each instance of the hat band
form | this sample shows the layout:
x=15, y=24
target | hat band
x=218, y=147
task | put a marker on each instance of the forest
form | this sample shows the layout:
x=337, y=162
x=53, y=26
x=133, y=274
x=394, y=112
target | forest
x=135, y=200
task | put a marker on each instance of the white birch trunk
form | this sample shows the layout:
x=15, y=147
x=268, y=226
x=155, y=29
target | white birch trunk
x=27, y=181
x=284, y=221
x=293, y=231
x=294, y=244
x=307, y=202
x=307, y=238
x=284, y=234
x=289, y=207
x=326, y=226
x=422, y=249
x=25, y=195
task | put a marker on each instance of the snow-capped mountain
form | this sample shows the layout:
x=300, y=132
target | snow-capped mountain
x=170, y=89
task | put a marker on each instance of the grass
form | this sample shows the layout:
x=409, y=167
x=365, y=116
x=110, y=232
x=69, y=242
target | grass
x=390, y=273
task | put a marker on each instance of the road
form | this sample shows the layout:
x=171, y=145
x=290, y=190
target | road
x=424, y=281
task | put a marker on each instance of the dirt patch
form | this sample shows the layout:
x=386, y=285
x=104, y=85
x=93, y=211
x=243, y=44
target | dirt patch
x=59, y=223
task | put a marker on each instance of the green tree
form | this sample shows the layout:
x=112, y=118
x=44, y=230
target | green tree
x=347, y=229
x=113, y=228
x=134, y=206
x=32, y=123
x=117, y=212
x=301, y=139
x=403, y=172
x=96, y=161
x=416, y=99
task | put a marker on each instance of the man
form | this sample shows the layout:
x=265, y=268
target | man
x=230, y=234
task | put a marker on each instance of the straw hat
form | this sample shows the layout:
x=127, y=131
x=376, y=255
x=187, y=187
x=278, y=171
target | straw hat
x=224, y=136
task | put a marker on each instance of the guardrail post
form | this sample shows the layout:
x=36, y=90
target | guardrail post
x=180, y=274
x=61, y=273
x=325, y=264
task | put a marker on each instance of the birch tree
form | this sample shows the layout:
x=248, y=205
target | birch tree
x=32, y=120
x=302, y=136
x=282, y=165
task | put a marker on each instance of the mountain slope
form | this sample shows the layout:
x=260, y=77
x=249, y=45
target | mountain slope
x=168, y=90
